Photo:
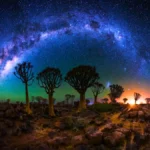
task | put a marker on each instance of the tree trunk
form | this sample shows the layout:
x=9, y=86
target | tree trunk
x=28, y=110
x=51, y=105
x=82, y=103
x=95, y=99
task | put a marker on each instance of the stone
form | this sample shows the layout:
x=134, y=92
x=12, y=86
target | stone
x=52, y=133
x=10, y=113
x=140, y=114
x=133, y=114
x=1, y=114
x=9, y=123
x=82, y=147
x=114, y=139
x=16, y=131
x=59, y=125
x=60, y=140
x=98, y=122
x=124, y=131
x=94, y=135
x=43, y=146
x=78, y=139
x=3, y=107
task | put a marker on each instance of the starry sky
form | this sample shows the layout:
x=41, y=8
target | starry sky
x=113, y=35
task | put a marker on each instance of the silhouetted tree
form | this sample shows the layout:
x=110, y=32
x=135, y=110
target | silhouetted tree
x=72, y=99
x=147, y=100
x=115, y=92
x=32, y=99
x=67, y=98
x=125, y=100
x=97, y=88
x=49, y=79
x=136, y=96
x=81, y=78
x=24, y=73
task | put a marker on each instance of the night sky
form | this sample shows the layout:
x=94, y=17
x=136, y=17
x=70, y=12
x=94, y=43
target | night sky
x=112, y=35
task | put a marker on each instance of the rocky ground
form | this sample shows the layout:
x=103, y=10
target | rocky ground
x=87, y=130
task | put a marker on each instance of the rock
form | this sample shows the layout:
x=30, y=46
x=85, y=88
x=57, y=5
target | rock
x=140, y=114
x=94, y=135
x=98, y=122
x=147, y=116
x=109, y=127
x=59, y=125
x=10, y=113
x=78, y=139
x=114, y=139
x=133, y=114
x=43, y=146
x=2, y=143
x=80, y=123
x=142, y=121
x=1, y=114
x=9, y=123
x=3, y=107
x=3, y=129
x=3, y=132
x=125, y=131
x=52, y=133
x=147, y=128
x=26, y=127
x=46, y=125
x=82, y=147
x=16, y=131
x=60, y=140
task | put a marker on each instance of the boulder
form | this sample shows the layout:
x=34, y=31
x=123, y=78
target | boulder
x=98, y=122
x=78, y=139
x=133, y=114
x=114, y=139
x=9, y=123
x=42, y=146
x=140, y=114
x=1, y=114
x=94, y=135
x=59, y=125
x=125, y=131
x=59, y=140
x=16, y=131
x=82, y=147
x=3, y=107
x=109, y=127
x=26, y=127
x=10, y=113
x=52, y=133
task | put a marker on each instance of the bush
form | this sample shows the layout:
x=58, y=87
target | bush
x=68, y=121
x=103, y=107
x=74, y=124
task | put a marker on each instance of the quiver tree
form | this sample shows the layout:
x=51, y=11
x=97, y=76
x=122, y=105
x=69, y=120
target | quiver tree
x=125, y=100
x=81, y=78
x=24, y=73
x=97, y=88
x=147, y=100
x=50, y=79
x=72, y=99
x=136, y=96
x=115, y=92
x=67, y=98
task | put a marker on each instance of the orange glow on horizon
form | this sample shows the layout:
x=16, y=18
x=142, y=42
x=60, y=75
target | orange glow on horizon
x=129, y=93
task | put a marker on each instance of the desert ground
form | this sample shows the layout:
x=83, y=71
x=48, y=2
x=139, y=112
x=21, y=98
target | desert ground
x=99, y=127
